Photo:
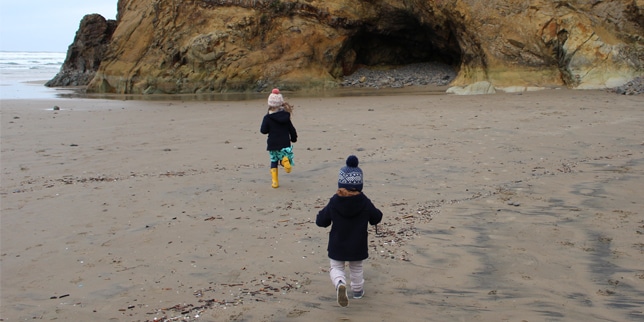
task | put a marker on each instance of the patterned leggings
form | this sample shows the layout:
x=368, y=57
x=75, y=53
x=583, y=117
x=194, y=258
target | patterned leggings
x=278, y=155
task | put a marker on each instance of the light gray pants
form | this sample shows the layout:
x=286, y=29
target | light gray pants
x=355, y=273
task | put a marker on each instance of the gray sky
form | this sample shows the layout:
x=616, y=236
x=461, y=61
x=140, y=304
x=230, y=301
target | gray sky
x=46, y=25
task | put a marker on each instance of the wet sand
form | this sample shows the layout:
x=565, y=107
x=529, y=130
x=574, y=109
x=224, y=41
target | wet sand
x=505, y=207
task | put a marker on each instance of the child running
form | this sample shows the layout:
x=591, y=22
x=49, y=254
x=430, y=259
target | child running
x=349, y=212
x=281, y=133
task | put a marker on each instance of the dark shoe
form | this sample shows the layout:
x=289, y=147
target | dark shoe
x=358, y=294
x=343, y=299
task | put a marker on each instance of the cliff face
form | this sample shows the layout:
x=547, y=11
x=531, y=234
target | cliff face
x=85, y=54
x=163, y=46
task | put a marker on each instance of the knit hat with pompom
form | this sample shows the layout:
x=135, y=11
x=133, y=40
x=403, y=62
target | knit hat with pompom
x=275, y=99
x=350, y=176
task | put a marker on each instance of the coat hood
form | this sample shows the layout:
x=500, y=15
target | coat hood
x=280, y=117
x=350, y=206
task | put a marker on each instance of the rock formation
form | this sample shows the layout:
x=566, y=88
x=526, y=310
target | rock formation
x=85, y=54
x=197, y=46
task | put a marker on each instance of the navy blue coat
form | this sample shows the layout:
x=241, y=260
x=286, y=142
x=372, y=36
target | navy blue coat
x=349, y=215
x=280, y=130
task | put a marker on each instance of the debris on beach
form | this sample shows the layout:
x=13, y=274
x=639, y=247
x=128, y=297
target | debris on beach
x=394, y=233
x=634, y=87
x=264, y=288
x=419, y=74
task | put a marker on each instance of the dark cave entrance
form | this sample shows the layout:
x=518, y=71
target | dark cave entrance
x=399, y=39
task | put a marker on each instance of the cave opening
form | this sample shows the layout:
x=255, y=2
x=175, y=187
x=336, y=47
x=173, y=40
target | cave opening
x=399, y=39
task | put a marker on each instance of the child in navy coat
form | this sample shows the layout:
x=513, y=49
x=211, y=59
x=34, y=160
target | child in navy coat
x=349, y=212
x=281, y=134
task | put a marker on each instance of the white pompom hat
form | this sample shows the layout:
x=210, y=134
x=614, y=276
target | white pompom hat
x=275, y=99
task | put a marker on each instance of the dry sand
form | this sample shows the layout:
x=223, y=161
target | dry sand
x=506, y=207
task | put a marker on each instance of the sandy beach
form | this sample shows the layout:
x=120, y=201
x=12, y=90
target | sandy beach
x=505, y=207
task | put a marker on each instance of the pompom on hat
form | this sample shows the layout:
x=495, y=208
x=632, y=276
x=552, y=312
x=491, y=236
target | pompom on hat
x=350, y=176
x=275, y=99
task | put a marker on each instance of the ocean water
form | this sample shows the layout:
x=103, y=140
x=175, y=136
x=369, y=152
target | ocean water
x=23, y=74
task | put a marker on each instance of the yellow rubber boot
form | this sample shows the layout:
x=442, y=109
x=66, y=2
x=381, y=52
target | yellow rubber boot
x=287, y=164
x=274, y=177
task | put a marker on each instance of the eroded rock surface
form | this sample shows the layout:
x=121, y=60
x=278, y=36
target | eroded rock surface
x=85, y=54
x=163, y=46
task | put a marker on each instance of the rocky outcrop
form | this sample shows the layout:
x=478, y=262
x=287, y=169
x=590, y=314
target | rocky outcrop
x=482, y=87
x=85, y=54
x=634, y=87
x=197, y=46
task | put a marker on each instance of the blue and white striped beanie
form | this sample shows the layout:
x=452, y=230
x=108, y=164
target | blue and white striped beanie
x=350, y=176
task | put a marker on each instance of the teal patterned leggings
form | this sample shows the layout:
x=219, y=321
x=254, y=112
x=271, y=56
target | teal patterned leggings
x=278, y=155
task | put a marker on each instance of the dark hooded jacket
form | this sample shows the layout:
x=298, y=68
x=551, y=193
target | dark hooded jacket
x=280, y=130
x=349, y=215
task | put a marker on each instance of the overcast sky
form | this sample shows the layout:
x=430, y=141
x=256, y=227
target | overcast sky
x=46, y=25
